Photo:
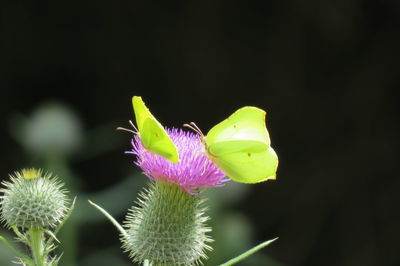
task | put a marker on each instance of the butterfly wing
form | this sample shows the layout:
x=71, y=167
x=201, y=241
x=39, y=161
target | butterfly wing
x=233, y=146
x=247, y=123
x=248, y=167
x=240, y=146
x=152, y=134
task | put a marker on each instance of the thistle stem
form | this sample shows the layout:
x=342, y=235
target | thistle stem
x=37, y=246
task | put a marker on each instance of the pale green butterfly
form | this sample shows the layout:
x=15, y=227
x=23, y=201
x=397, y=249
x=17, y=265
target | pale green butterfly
x=240, y=146
x=152, y=134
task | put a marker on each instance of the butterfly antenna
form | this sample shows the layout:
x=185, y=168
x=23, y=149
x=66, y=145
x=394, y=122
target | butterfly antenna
x=134, y=131
x=189, y=126
x=133, y=125
x=194, y=127
x=197, y=128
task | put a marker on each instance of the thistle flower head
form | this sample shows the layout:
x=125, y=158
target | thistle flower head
x=193, y=171
x=32, y=199
x=168, y=226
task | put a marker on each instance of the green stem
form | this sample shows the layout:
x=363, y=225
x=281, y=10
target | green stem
x=37, y=246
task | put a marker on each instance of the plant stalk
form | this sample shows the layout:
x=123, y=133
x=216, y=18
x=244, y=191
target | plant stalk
x=37, y=246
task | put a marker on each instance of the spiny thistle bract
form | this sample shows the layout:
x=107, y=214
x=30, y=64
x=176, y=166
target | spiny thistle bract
x=33, y=199
x=167, y=227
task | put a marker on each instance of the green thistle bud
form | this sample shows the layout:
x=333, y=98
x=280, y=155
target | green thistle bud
x=167, y=227
x=32, y=199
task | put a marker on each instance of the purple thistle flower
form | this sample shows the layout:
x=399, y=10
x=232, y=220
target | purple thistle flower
x=194, y=170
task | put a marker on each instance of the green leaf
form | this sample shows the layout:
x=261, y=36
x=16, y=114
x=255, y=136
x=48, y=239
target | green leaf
x=248, y=253
x=112, y=220
x=56, y=260
x=16, y=251
x=52, y=235
x=65, y=219
x=58, y=228
x=20, y=236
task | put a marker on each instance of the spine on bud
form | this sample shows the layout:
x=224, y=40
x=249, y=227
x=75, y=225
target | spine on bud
x=32, y=199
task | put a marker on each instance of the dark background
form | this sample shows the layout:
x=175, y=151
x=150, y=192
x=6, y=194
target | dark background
x=327, y=72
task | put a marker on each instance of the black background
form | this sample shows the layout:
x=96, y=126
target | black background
x=327, y=72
